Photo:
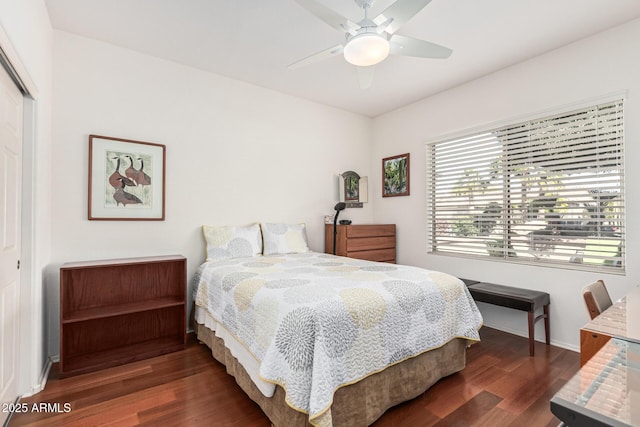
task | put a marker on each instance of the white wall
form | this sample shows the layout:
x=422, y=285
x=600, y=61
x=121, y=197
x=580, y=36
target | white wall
x=594, y=67
x=236, y=154
x=26, y=25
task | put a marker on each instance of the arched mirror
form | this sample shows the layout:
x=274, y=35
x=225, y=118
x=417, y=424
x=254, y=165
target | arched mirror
x=353, y=189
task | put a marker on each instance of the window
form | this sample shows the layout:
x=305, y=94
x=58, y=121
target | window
x=548, y=191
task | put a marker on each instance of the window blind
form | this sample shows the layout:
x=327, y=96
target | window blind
x=547, y=191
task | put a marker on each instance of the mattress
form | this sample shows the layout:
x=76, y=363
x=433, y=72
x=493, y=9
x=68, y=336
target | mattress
x=237, y=349
x=354, y=405
x=313, y=323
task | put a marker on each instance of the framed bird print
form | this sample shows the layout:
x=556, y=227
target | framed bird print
x=126, y=179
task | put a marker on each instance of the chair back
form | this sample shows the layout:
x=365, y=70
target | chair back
x=596, y=298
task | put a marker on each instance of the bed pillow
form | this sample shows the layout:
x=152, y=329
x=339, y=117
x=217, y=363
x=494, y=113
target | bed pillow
x=232, y=242
x=281, y=238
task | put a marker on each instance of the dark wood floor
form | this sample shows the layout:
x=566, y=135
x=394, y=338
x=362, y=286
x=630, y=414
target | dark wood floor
x=501, y=386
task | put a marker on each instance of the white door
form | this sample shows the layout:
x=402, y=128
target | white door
x=10, y=180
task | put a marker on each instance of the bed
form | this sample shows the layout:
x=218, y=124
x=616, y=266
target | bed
x=318, y=339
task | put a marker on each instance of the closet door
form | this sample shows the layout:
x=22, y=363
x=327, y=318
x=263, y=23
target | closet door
x=11, y=113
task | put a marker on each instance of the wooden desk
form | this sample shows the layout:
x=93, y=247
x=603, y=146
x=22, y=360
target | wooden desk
x=606, y=390
x=616, y=321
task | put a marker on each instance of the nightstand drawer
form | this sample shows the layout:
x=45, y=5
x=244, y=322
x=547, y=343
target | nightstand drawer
x=357, y=231
x=383, y=255
x=369, y=243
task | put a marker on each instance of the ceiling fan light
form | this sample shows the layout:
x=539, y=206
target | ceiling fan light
x=366, y=49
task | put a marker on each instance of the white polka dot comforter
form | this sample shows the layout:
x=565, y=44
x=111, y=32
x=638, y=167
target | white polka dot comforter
x=317, y=321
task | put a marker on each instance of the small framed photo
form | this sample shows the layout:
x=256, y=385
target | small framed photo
x=395, y=176
x=126, y=179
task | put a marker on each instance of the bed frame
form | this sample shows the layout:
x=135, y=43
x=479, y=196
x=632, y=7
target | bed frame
x=357, y=404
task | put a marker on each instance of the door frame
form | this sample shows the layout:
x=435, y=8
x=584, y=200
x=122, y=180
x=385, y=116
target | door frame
x=31, y=343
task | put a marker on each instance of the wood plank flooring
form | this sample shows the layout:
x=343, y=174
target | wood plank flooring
x=501, y=386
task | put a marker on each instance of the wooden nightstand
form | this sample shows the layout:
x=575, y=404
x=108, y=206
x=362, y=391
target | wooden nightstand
x=117, y=311
x=373, y=242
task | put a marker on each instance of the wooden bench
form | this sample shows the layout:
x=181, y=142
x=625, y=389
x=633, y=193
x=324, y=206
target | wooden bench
x=516, y=298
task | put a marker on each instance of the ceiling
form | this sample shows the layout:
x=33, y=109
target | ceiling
x=255, y=40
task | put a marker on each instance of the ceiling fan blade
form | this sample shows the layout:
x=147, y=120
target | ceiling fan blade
x=365, y=76
x=400, y=12
x=319, y=56
x=408, y=46
x=327, y=15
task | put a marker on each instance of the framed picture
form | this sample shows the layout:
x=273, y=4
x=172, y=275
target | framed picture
x=126, y=179
x=395, y=176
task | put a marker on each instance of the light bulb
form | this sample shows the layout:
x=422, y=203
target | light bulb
x=366, y=49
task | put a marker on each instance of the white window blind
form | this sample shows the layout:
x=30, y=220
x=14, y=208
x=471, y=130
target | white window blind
x=547, y=191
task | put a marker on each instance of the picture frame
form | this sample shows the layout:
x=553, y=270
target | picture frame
x=396, y=175
x=126, y=179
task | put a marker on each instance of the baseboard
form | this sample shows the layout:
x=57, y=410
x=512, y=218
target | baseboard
x=524, y=334
x=42, y=381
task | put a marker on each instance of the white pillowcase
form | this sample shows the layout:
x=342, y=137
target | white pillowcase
x=281, y=238
x=232, y=241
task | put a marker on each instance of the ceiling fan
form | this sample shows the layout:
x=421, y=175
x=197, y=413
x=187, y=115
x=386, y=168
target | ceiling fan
x=370, y=41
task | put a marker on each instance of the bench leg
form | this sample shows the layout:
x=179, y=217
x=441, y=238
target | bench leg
x=547, y=334
x=531, y=333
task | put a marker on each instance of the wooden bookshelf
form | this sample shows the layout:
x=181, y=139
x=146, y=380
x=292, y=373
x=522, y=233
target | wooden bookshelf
x=117, y=311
